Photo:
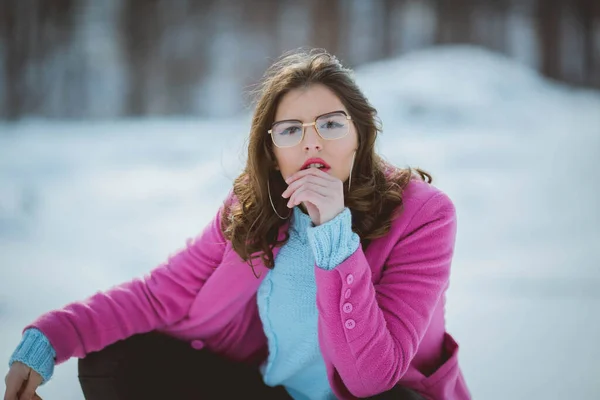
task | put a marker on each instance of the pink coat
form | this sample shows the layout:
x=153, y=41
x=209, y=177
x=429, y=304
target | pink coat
x=393, y=332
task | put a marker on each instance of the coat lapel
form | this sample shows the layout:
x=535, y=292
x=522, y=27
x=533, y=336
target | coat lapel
x=231, y=286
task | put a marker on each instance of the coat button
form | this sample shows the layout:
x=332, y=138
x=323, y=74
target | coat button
x=347, y=294
x=350, y=279
x=350, y=324
x=198, y=344
x=347, y=307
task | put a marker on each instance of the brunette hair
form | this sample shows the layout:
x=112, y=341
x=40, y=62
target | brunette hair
x=249, y=221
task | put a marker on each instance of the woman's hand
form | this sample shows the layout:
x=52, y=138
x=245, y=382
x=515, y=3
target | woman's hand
x=321, y=194
x=21, y=383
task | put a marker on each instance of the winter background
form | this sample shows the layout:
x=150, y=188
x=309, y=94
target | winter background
x=101, y=178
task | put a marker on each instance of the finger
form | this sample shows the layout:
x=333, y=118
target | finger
x=312, y=180
x=309, y=171
x=292, y=202
x=307, y=178
x=14, y=380
x=309, y=196
x=34, y=381
x=324, y=191
x=304, y=194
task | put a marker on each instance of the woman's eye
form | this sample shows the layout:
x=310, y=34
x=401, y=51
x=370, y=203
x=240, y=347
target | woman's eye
x=331, y=125
x=290, y=131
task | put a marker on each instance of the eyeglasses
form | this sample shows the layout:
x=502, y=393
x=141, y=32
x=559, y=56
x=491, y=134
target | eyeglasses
x=330, y=126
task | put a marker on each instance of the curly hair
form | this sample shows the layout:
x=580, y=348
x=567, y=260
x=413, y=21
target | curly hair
x=249, y=221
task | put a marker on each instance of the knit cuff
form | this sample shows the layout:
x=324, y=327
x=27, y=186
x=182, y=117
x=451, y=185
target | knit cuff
x=333, y=241
x=36, y=352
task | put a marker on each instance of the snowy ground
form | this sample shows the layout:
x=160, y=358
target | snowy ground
x=86, y=205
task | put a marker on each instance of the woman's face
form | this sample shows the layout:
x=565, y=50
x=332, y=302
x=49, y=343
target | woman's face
x=306, y=105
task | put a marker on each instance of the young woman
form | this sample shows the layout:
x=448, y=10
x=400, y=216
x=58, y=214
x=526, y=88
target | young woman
x=323, y=275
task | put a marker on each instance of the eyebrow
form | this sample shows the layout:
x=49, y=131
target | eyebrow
x=317, y=117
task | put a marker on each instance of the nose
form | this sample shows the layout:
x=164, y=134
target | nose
x=312, y=140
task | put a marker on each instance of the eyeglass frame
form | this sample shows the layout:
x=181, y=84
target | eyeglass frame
x=307, y=124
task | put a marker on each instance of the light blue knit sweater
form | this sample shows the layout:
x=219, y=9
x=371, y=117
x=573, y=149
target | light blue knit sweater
x=36, y=352
x=287, y=306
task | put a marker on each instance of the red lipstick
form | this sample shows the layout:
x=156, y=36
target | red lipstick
x=325, y=168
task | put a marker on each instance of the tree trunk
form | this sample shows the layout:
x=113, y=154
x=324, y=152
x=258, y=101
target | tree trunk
x=549, y=37
x=141, y=32
x=388, y=8
x=588, y=14
x=15, y=56
x=325, y=24
x=454, y=23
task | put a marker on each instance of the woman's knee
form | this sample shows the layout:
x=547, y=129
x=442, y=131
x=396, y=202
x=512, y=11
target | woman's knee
x=104, y=362
x=97, y=374
x=112, y=360
x=103, y=374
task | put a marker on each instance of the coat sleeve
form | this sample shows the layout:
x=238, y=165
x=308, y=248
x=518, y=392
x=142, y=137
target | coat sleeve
x=372, y=332
x=158, y=299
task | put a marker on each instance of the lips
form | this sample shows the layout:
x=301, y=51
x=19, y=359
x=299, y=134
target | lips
x=308, y=163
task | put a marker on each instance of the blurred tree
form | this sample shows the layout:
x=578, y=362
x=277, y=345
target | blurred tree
x=16, y=52
x=65, y=58
x=141, y=33
x=548, y=20
x=183, y=52
x=325, y=24
x=30, y=32
x=494, y=15
x=260, y=25
x=588, y=14
x=454, y=21
x=389, y=26
x=387, y=23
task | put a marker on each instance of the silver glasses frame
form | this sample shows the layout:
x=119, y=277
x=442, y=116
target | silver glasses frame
x=307, y=124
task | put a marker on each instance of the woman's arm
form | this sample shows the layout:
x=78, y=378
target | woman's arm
x=160, y=298
x=372, y=332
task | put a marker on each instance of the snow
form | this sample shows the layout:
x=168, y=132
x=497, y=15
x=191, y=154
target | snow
x=85, y=205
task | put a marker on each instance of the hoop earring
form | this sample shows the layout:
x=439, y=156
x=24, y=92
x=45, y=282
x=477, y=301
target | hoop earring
x=351, y=168
x=273, y=205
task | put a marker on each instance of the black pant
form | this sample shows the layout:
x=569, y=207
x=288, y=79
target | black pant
x=154, y=366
